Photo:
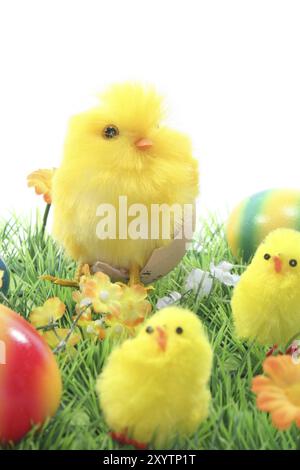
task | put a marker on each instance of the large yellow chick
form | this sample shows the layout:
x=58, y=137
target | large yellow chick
x=154, y=387
x=120, y=148
x=266, y=301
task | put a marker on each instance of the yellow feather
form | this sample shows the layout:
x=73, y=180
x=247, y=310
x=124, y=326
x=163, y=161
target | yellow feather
x=95, y=170
x=157, y=395
x=266, y=303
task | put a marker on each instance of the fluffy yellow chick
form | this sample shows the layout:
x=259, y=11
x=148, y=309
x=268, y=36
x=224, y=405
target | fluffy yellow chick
x=119, y=148
x=154, y=387
x=266, y=301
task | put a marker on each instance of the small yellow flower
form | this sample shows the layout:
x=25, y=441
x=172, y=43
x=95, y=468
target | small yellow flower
x=96, y=329
x=103, y=295
x=122, y=307
x=85, y=318
x=1, y=278
x=278, y=392
x=41, y=181
x=83, y=305
x=119, y=331
x=134, y=306
x=52, y=310
x=54, y=337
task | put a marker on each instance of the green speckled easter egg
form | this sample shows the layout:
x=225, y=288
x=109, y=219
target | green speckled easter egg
x=255, y=217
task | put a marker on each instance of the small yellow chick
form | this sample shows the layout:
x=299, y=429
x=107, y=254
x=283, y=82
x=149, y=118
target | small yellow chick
x=155, y=387
x=266, y=301
x=120, y=148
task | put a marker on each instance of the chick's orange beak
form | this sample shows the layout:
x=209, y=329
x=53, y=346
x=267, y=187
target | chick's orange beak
x=161, y=338
x=277, y=264
x=143, y=144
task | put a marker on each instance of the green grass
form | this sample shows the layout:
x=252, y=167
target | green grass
x=234, y=421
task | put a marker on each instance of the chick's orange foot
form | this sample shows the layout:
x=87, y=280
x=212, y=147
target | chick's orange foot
x=134, y=275
x=60, y=282
x=124, y=440
x=66, y=282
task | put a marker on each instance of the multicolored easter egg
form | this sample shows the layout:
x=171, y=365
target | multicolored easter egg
x=4, y=277
x=30, y=380
x=252, y=220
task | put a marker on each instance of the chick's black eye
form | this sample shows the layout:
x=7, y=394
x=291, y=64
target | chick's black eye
x=267, y=256
x=179, y=330
x=111, y=131
x=149, y=330
x=293, y=263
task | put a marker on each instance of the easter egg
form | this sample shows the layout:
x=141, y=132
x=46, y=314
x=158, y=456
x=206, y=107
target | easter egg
x=255, y=217
x=4, y=277
x=30, y=380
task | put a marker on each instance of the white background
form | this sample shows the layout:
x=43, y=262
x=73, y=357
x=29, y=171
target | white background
x=230, y=70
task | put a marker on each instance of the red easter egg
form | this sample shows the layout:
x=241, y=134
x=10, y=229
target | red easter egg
x=30, y=380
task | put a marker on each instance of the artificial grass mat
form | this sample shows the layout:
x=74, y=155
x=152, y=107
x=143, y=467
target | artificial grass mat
x=234, y=421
